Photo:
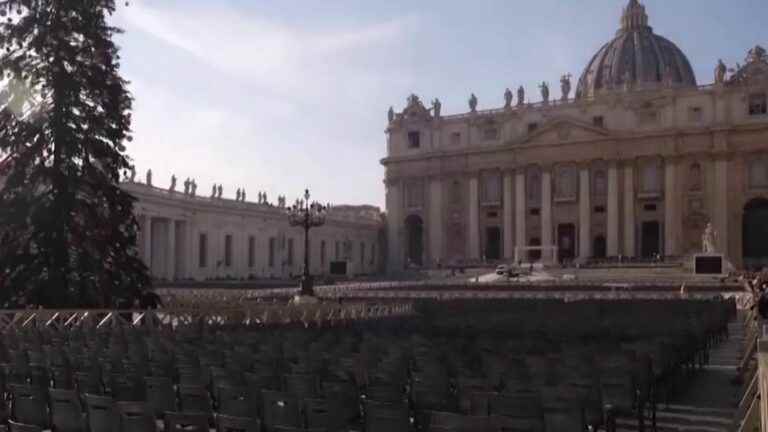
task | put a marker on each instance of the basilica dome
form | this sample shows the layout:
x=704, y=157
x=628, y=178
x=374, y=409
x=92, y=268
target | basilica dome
x=636, y=58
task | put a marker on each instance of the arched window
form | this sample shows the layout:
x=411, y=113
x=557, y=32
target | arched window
x=695, y=177
x=758, y=173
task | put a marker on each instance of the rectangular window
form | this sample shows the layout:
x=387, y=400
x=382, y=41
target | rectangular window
x=202, y=258
x=599, y=209
x=272, y=243
x=491, y=134
x=337, y=251
x=228, y=250
x=414, y=140
x=251, y=251
x=290, y=252
x=491, y=192
x=532, y=127
x=456, y=139
x=758, y=105
x=598, y=121
x=695, y=114
x=492, y=215
x=322, y=253
x=535, y=212
x=649, y=207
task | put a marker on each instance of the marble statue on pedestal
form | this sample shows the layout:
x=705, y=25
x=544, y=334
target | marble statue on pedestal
x=507, y=98
x=473, y=103
x=149, y=177
x=708, y=239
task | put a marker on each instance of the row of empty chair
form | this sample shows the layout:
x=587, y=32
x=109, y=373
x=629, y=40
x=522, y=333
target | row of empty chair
x=460, y=365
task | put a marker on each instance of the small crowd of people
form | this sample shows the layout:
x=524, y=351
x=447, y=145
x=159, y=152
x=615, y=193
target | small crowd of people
x=756, y=283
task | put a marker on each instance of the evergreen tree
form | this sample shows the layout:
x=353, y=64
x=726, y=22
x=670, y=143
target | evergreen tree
x=67, y=231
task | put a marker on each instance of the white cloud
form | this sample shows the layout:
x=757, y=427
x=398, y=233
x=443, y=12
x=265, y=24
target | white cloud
x=258, y=104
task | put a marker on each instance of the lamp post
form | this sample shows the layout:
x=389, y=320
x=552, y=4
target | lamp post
x=307, y=215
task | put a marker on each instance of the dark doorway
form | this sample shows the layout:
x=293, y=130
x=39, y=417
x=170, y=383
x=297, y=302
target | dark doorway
x=566, y=242
x=492, y=243
x=414, y=234
x=534, y=255
x=651, y=239
x=599, y=248
x=755, y=234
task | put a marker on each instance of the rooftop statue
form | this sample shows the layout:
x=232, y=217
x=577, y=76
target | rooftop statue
x=242, y=195
x=520, y=96
x=186, y=186
x=173, y=184
x=473, y=103
x=149, y=177
x=133, y=174
x=757, y=53
x=507, y=98
x=220, y=191
x=237, y=195
x=194, y=187
x=720, y=71
x=437, y=107
x=565, y=86
x=213, y=191
x=544, y=91
x=391, y=114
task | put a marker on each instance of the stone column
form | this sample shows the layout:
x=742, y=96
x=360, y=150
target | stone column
x=585, y=215
x=612, y=225
x=509, y=245
x=474, y=219
x=148, y=242
x=671, y=203
x=546, y=213
x=629, y=210
x=436, y=229
x=720, y=216
x=394, y=221
x=170, y=265
x=520, y=235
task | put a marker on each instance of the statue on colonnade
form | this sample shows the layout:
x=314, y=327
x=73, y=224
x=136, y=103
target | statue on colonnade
x=172, y=188
x=149, y=177
x=507, y=98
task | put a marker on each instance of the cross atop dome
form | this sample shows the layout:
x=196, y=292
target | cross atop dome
x=634, y=17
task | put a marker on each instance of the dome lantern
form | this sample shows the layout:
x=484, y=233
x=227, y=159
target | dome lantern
x=634, y=17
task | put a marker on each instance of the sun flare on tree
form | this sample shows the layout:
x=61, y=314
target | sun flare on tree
x=67, y=231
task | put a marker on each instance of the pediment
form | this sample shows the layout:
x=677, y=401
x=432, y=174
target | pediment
x=565, y=130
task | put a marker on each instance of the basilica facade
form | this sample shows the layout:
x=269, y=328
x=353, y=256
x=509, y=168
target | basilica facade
x=636, y=163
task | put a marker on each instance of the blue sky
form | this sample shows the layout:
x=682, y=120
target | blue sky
x=277, y=95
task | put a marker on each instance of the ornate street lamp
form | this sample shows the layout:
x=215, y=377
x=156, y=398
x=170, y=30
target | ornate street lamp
x=306, y=215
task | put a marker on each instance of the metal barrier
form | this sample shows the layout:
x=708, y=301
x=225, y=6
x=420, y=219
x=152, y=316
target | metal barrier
x=320, y=314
